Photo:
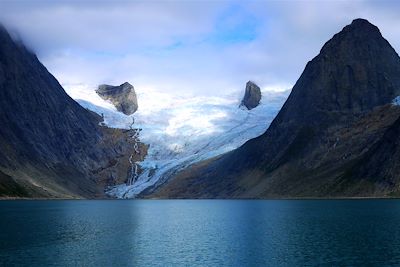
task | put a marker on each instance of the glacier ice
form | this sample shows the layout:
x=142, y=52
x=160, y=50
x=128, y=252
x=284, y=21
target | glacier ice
x=182, y=130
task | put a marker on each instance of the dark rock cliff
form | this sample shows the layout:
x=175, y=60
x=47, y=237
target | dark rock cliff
x=123, y=97
x=334, y=136
x=49, y=145
x=252, y=96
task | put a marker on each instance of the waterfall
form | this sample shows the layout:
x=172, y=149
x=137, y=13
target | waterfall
x=134, y=165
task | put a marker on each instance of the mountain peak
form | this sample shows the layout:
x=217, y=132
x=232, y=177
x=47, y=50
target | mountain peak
x=351, y=73
x=360, y=22
x=364, y=28
x=360, y=35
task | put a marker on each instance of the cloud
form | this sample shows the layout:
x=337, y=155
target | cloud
x=201, y=47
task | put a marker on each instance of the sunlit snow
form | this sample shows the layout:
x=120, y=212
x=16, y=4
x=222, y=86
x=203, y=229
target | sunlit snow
x=182, y=130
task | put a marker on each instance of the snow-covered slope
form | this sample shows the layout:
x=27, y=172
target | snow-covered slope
x=182, y=130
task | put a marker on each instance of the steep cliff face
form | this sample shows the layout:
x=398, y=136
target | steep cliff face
x=325, y=139
x=123, y=97
x=49, y=144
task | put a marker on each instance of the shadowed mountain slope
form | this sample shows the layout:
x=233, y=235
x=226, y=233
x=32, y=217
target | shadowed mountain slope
x=49, y=145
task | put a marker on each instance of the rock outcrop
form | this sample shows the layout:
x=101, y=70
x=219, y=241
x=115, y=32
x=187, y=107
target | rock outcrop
x=123, y=97
x=50, y=146
x=335, y=136
x=252, y=96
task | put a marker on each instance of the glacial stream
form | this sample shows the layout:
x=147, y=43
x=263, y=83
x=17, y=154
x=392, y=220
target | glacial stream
x=180, y=130
x=134, y=164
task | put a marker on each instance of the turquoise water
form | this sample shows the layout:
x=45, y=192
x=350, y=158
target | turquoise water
x=200, y=233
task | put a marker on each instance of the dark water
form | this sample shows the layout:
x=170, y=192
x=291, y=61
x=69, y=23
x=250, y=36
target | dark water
x=200, y=233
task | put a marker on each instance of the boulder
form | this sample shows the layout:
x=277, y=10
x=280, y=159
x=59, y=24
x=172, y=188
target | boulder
x=123, y=97
x=252, y=96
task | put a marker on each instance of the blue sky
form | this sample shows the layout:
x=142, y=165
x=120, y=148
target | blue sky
x=235, y=25
x=196, y=47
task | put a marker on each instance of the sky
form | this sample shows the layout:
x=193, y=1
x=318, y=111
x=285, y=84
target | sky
x=186, y=47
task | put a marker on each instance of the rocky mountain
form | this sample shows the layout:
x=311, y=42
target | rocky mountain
x=50, y=146
x=336, y=135
x=252, y=96
x=123, y=97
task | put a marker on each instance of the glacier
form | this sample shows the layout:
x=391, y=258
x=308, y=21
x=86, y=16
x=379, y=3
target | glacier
x=181, y=130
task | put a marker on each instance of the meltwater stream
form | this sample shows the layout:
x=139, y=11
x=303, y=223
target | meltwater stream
x=181, y=130
x=200, y=233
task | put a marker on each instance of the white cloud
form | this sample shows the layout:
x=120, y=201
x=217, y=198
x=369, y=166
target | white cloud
x=186, y=46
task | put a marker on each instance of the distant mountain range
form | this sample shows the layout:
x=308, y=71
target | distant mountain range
x=337, y=134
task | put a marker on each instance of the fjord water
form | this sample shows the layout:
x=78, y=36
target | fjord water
x=200, y=233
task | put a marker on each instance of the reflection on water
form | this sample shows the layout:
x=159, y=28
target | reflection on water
x=200, y=233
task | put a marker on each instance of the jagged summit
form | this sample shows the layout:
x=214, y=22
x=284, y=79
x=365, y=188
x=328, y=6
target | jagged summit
x=360, y=22
x=359, y=33
x=362, y=26
x=355, y=71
